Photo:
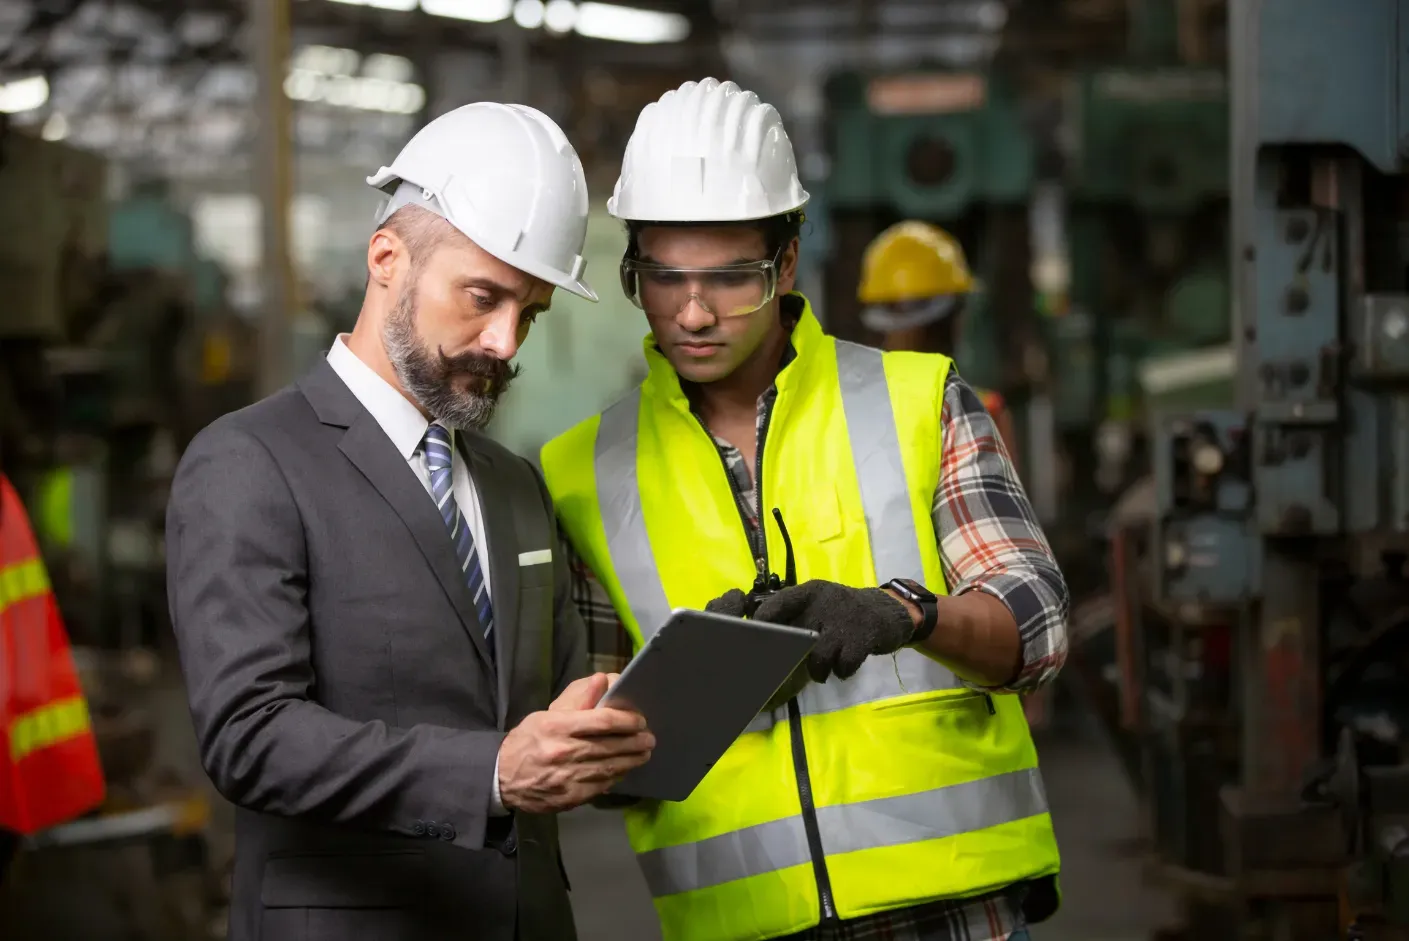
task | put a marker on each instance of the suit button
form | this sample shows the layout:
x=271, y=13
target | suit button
x=419, y=828
x=510, y=846
x=433, y=831
x=447, y=832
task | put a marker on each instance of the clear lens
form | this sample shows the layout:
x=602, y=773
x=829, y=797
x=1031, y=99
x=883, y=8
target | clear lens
x=731, y=291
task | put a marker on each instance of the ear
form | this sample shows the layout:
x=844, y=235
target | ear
x=387, y=255
x=787, y=268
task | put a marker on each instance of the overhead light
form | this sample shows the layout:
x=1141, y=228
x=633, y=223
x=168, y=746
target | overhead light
x=629, y=24
x=56, y=128
x=24, y=94
x=389, y=67
x=479, y=11
x=560, y=16
x=340, y=77
x=529, y=13
x=327, y=60
x=349, y=91
x=398, y=5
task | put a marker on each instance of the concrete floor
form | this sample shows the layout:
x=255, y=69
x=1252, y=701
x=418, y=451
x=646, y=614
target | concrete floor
x=1095, y=814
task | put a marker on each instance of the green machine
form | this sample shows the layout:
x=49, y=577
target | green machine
x=1148, y=233
x=949, y=148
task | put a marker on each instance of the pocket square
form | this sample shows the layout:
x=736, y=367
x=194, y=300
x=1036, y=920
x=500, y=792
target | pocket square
x=537, y=557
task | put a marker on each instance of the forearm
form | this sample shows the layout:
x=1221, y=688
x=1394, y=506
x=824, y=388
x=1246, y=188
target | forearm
x=976, y=636
x=296, y=759
x=1003, y=626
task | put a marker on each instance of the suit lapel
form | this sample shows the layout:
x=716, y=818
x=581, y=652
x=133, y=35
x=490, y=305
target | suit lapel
x=502, y=549
x=366, y=445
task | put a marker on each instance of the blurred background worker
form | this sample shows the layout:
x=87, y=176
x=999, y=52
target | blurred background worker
x=49, y=767
x=915, y=288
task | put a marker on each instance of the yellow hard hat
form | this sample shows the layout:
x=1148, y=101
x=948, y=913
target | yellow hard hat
x=910, y=261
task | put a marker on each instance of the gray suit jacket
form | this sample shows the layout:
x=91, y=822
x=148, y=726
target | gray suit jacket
x=340, y=684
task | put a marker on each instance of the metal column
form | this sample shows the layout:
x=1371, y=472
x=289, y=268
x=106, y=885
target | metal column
x=273, y=176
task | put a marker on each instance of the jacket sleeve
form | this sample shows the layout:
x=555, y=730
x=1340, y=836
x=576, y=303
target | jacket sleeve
x=237, y=581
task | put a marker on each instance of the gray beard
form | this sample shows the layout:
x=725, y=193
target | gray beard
x=425, y=379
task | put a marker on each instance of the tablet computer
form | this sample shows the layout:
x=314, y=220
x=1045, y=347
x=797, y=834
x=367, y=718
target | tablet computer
x=699, y=681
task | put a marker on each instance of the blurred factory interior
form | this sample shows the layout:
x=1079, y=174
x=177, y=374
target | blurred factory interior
x=1191, y=226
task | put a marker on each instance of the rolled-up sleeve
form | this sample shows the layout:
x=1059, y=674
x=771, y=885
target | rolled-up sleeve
x=990, y=539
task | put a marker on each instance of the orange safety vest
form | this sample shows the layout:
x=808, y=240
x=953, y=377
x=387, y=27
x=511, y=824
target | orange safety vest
x=49, y=767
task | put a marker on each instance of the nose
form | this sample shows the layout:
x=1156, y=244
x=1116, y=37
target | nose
x=693, y=316
x=500, y=337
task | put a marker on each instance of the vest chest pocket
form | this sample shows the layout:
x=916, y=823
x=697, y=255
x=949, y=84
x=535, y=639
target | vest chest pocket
x=956, y=707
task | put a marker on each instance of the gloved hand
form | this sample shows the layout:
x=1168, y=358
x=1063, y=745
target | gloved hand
x=733, y=603
x=854, y=623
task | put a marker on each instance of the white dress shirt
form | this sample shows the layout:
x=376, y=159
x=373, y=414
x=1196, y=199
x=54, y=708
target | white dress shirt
x=406, y=427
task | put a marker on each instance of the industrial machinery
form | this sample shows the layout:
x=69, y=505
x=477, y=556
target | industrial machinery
x=94, y=405
x=1147, y=225
x=948, y=148
x=1265, y=666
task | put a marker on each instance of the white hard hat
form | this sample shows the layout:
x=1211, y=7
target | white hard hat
x=707, y=152
x=505, y=176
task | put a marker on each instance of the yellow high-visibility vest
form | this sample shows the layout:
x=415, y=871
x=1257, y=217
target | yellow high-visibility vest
x=893, y=788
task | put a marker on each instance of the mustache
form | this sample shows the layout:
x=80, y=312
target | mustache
x=497, y=372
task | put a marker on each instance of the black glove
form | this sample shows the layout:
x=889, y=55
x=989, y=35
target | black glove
x=854, y=623
x=733, y=603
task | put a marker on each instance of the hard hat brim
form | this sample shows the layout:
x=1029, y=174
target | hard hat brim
x=883, y=320
x=701, y=217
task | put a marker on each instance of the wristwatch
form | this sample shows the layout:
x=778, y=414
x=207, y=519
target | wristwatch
x=924, y=599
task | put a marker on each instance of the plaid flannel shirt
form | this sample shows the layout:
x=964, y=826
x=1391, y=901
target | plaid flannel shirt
x=989, y=540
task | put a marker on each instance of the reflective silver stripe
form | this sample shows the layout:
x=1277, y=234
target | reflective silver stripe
x=895, y=542
x=766, y=720
x=875, y=447
x=619, y=502
x=891, y=821
x=879, y=678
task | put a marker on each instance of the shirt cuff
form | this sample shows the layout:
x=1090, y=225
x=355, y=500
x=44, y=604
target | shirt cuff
x=496, y=805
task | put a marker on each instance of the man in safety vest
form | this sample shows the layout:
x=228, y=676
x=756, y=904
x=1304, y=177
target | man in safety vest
x=915, y=285
x=896, y=794
x=49, y=767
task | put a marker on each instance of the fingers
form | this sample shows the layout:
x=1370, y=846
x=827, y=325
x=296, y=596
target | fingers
x=733, y=603
x=609, y=771
x=786, y=607
x=821, y=661
x=594, y=723
x=583, y=694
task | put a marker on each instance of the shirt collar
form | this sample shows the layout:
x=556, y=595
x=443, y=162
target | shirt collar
x=403, y=422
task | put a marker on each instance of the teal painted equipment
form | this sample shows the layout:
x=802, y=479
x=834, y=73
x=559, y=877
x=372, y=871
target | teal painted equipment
x=929, y=146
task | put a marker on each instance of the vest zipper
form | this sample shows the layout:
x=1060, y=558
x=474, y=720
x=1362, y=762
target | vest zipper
x=809, y=815
x=800, y=769
x=759, y=545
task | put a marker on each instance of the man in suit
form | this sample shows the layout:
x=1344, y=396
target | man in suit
x=383, y=662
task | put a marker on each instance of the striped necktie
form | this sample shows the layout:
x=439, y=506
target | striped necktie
x=438, y=451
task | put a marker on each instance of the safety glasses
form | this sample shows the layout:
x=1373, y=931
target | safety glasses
x=724, y=291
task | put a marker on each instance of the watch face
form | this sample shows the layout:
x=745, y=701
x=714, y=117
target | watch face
x=914, y=589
